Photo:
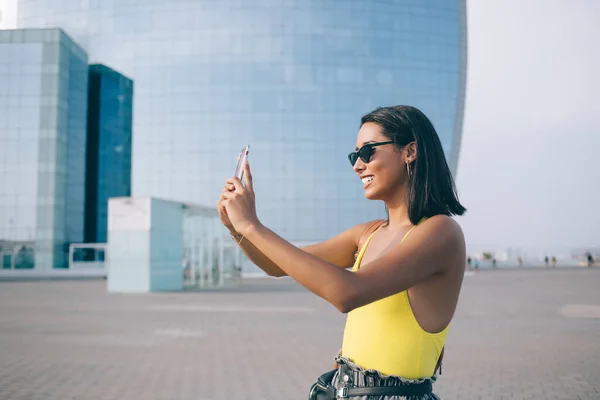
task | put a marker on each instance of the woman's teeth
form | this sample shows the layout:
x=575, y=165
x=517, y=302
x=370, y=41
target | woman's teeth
x=367, y=179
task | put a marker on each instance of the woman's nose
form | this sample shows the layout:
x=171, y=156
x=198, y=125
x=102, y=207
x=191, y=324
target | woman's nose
x=359, y=166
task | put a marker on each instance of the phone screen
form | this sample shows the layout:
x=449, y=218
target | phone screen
x=239, y=170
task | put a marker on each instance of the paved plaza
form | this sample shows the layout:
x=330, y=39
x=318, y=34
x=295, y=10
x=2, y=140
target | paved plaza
x=518, y=334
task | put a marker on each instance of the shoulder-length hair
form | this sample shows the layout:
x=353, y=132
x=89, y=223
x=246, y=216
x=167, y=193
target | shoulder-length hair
x=431, y=190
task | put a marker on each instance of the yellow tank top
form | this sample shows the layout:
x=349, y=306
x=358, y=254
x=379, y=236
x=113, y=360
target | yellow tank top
x=386, y=336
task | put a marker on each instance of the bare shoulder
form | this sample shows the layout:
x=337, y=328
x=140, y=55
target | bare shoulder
x=443, y=224
x=374, y=224
x=443, y=237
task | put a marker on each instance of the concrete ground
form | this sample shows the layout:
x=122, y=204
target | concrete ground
x=518, y=334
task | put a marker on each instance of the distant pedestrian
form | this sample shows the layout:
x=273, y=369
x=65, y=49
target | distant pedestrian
x=494, y=264
x=590, y=259
x=520, y=260
x=476, y=265
x=469, y=263
x=547, y=261
x=553, y=262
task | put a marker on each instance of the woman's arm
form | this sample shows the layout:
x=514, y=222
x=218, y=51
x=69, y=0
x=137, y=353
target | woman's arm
x=433, y=247
x=338, y=250
x=257, y=257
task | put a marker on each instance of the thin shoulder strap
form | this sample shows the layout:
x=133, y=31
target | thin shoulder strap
x=413, y=227
x=370, y=230
x=438, y=366
x=408, y=233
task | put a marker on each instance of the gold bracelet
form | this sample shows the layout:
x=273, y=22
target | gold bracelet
x=235, y=238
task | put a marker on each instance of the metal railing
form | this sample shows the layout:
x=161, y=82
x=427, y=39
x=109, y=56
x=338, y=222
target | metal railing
x=211, y=259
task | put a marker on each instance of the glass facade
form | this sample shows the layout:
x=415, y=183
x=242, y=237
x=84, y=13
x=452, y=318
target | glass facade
x=43, y=106
x=289, y=77
x=108, y=170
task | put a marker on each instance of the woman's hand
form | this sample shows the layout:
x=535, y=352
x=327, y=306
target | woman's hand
x=221, y=208
x=239, y=204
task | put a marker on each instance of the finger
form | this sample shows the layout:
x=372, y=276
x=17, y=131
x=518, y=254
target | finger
x=223, y=209
x=229, y=185
x=249, y=184
x=228, y=195
x=238, y=185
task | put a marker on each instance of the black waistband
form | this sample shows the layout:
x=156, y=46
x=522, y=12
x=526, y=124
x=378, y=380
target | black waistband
x=409, y=389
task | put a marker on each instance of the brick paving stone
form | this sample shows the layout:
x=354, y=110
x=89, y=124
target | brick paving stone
x=269, y=339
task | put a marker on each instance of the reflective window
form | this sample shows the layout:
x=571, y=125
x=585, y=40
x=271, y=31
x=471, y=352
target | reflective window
x=109, y=146
x=42, y=149
x=292, y=82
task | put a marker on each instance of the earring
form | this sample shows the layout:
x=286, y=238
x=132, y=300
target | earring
x=408, y=170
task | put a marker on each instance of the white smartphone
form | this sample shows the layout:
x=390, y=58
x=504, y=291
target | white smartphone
x=239, y=170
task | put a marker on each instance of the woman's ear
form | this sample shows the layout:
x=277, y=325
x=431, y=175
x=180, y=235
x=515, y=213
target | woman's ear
x=411, y=152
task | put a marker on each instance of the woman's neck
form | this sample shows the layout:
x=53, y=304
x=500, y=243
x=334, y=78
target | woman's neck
x=398, y=211
x=398, y=216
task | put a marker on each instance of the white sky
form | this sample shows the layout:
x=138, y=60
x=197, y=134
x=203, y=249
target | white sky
x=529, y=168
x=8, y=14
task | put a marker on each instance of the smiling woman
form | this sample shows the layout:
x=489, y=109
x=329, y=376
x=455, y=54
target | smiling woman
x=406, y=272
x=429, y=185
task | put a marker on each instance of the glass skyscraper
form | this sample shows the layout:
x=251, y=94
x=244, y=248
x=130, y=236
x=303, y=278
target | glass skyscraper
x=43, y=106
x=108, y=169
x=289, y=77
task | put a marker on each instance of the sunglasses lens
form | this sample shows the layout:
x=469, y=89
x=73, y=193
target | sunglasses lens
x=365, y=153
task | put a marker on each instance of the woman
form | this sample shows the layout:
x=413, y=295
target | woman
x=401, y=292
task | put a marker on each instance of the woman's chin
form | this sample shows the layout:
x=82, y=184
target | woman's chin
x=371, y=195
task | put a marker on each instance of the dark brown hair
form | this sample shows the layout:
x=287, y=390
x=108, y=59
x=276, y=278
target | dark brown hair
x=431, y=188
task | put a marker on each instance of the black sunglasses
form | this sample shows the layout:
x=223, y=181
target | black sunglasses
x=365, y=152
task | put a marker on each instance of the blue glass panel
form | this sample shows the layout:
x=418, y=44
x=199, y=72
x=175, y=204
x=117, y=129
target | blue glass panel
x=292, y=81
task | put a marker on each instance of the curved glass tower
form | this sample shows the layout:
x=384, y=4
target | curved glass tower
x=291, y=78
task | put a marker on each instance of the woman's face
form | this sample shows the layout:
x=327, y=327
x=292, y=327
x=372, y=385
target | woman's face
x=385, y=172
